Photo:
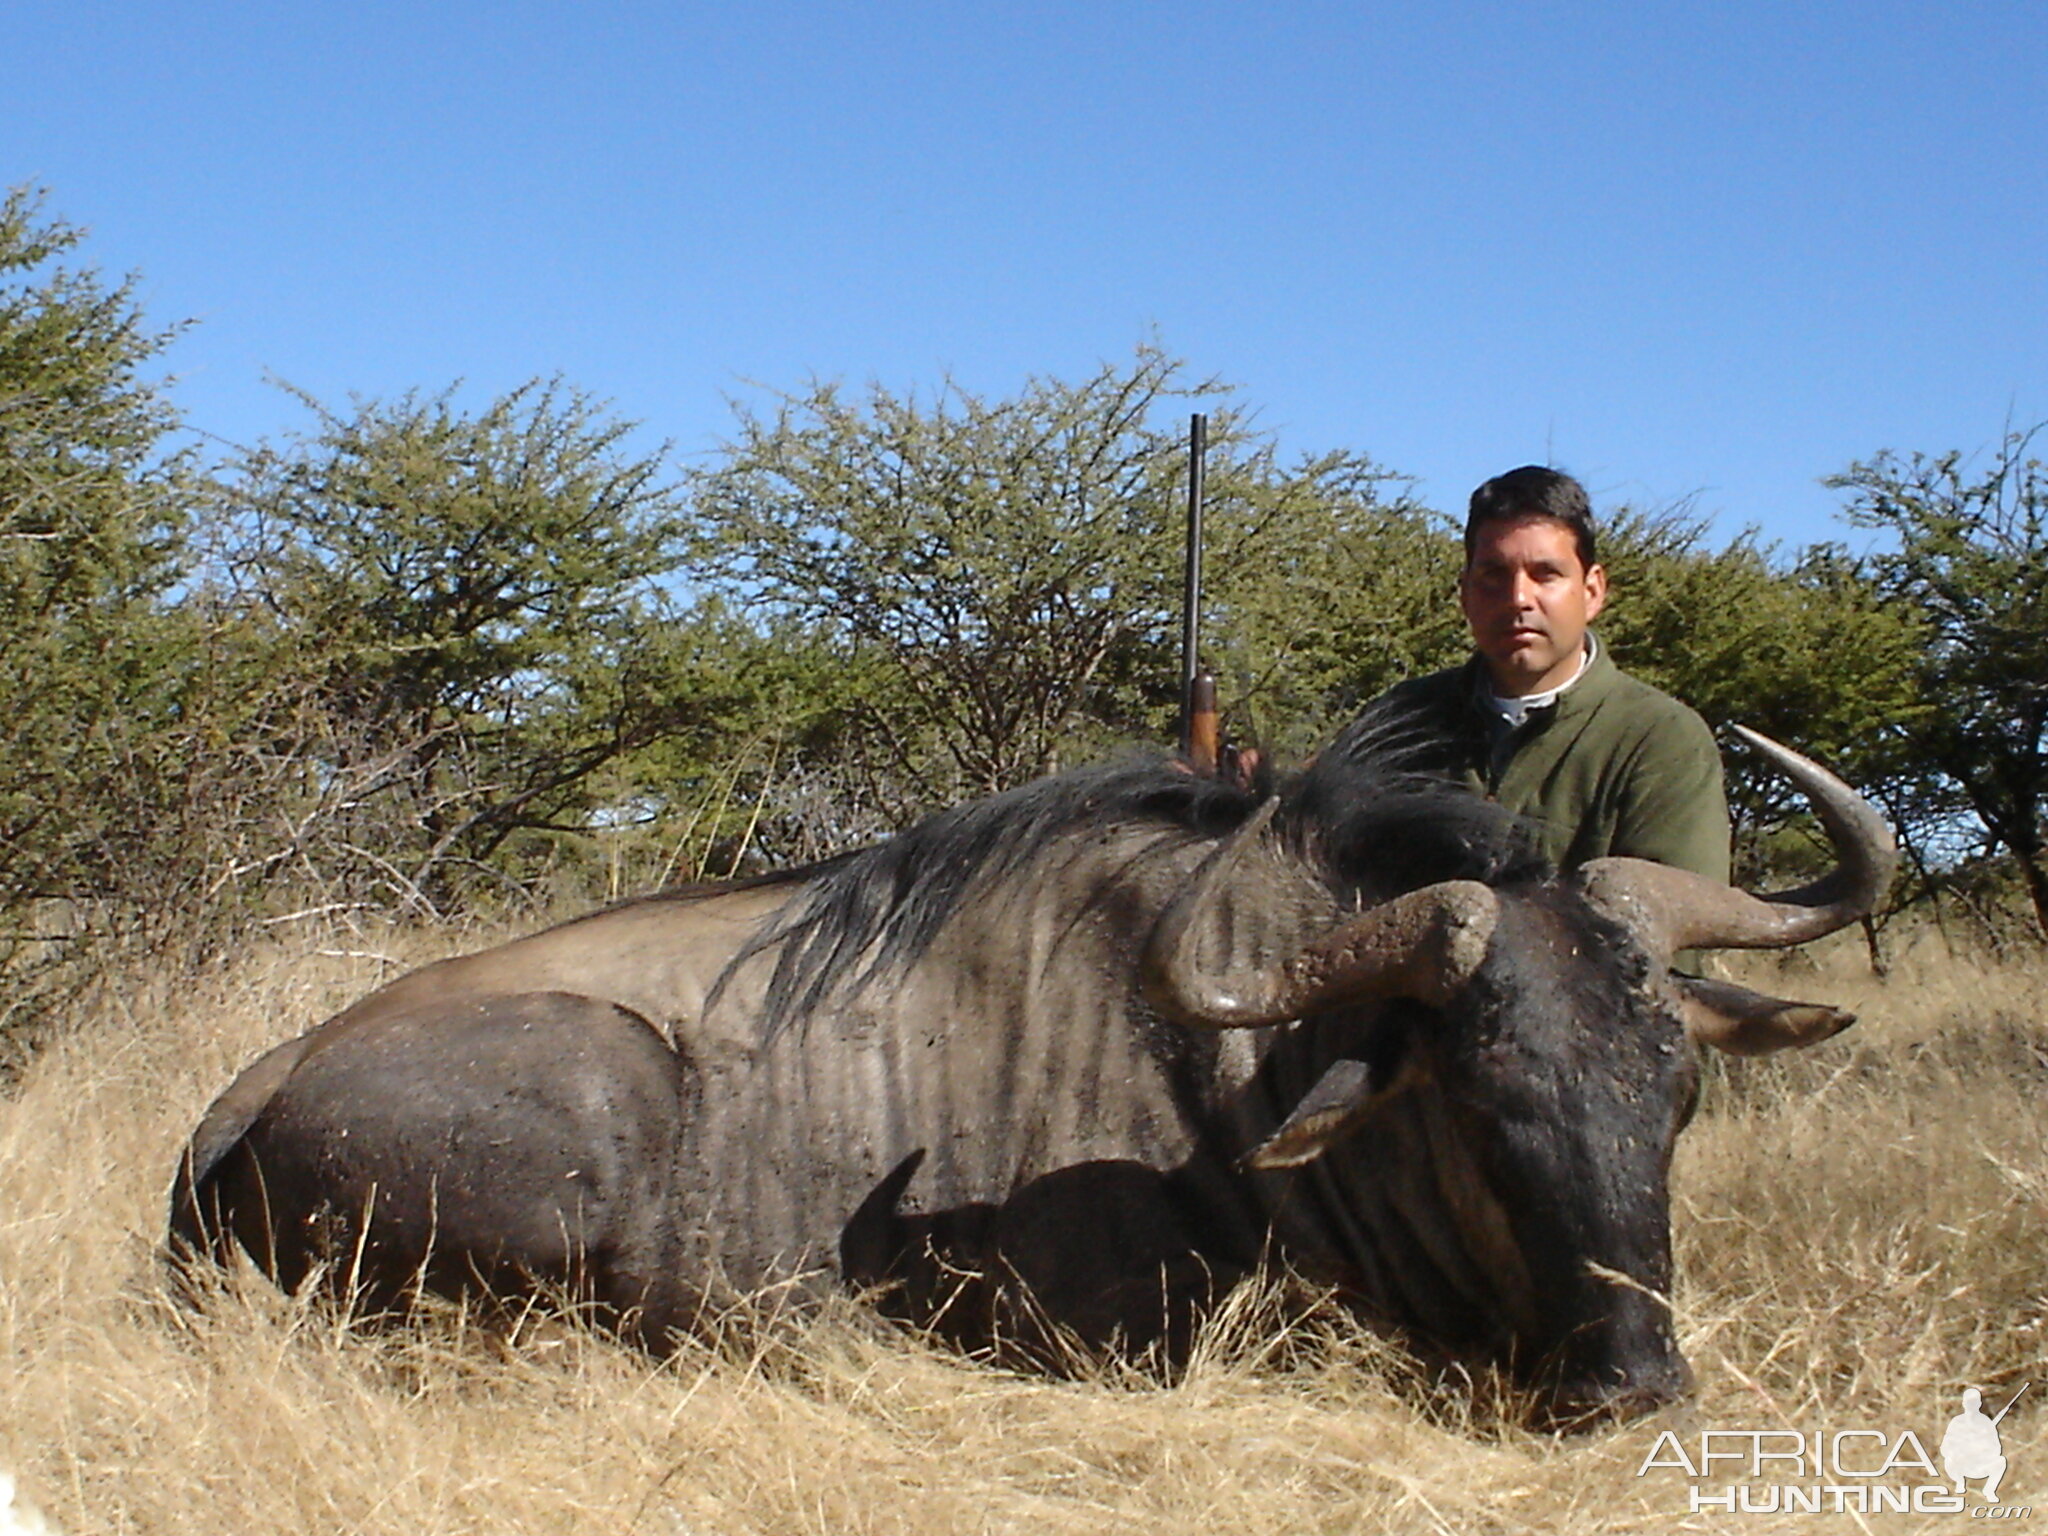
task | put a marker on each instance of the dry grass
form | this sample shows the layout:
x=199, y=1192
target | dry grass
x=1861, y=1232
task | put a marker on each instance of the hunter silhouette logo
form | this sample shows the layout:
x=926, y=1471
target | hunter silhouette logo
x=1857, y=1469
x=18, y=1517
x=1971, y=1446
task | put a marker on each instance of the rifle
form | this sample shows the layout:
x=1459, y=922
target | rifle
x=1199, y=735
x=2015, y=1398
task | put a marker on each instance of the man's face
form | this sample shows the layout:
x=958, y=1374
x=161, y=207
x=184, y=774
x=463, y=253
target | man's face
x=1528, y=601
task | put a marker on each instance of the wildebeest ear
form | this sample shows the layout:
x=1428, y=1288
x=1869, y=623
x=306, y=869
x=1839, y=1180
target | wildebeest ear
x=1338, y=1104
x=1745, y=1023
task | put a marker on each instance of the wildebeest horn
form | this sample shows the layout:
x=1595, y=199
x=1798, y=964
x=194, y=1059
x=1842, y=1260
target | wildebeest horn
x=1425, y=945
x=1670, y=909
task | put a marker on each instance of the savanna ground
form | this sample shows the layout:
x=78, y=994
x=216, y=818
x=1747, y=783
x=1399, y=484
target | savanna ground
x=1862, y=1231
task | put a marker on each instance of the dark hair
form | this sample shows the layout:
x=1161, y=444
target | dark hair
x=1533, y=491
x=879, y=909
x=1370, y=812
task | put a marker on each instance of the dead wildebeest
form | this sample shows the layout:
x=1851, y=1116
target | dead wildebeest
x=1072, y=1060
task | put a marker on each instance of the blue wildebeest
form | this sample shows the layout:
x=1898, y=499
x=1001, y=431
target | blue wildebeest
x=1068, y=1062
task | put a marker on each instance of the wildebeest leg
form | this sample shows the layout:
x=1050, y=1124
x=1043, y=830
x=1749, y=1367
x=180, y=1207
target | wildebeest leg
x=1103, y=1254
x=506, y=1146
x=198, y=1226
x=1093, y=1258
x=929, y=1270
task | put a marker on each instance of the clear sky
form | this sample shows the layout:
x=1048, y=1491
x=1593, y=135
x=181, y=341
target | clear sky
x=1680, y=249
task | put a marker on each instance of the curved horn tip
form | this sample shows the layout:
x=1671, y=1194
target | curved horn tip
x=1171, y=980
x=1669, y=909
x=1839, y=799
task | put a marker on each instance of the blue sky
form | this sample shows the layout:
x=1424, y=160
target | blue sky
x=1716, y=250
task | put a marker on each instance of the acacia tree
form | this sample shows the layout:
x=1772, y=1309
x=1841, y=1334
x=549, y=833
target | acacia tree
x=1333, y=583
x=91, y=512
x=473, y=600
x=1808, y=651
x=1003, y=574
x=1971, y=564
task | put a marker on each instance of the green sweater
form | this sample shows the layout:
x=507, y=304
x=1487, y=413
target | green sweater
x=1613, y=767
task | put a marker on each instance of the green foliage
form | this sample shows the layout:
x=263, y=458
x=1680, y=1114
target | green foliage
x=1810, y=654
x=91, y=513
x=1001, y=577
x=752, y=775
x=1806, y=653
x=471, y=608
x=984, y=564
x=1971, y=563
x=423, y=652
x=1331, y=585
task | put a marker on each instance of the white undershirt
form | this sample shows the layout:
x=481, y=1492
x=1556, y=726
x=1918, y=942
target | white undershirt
x=1515, y=711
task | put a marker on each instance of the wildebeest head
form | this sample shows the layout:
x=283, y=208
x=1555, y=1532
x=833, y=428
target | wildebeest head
x=1482, y=1068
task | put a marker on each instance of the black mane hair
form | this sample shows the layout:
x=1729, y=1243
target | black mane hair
x=881, y=907
x=1363, y=810
x=1376, y=808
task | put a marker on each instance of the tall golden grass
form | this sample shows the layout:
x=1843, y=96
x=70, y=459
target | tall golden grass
x=1862, y=1230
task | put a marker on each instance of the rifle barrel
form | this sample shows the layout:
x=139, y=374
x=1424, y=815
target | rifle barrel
x=1191, y=590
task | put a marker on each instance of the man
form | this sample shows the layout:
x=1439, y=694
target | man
x=1970, y=1447
x=1541, y=719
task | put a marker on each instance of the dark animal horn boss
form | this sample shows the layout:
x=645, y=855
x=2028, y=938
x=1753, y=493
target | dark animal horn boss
x=1671, y=909
x=1423, y=945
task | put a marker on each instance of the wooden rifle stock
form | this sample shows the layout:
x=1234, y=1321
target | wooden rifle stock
x=1199, y=733
x=1203, y=743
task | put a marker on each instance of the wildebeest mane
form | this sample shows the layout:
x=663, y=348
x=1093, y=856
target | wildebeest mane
x=1375, y=807
x=880, y=908
x=1363, y=810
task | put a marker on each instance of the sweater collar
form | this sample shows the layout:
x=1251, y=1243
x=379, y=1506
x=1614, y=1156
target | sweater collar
x=1586, y=688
